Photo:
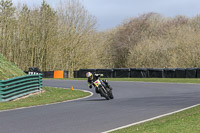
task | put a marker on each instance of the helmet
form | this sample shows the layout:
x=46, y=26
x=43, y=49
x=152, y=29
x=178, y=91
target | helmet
x=89, y=75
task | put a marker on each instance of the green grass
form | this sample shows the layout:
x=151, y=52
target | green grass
x=162, y=80
x=50, y=95
x=8, y=69
x=184, y=122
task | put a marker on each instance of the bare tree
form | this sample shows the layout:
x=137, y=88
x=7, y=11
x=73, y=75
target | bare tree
x=7, y=22
x=77, y=26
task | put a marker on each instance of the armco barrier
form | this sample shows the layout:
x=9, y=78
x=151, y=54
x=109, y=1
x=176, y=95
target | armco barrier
x=169, y=73
x=19, y=86
x=107, y=73
x=198, y=72
x=139, y=73
x=191, y=73
x=155, y=73
x=121, y=73
x=53, y=74
x=142, y=72
x=180, y=73
x=48, y=74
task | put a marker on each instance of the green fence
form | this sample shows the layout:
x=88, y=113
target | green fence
x=19, y=86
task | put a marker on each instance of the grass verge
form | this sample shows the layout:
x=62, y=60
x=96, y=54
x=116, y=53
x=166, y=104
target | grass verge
x=8, y=69
x=50, y=95
x=183, y=122
x=162, y=80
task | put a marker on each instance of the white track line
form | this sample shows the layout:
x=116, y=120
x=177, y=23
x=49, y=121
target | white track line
x=136, y=123
x=91, y=93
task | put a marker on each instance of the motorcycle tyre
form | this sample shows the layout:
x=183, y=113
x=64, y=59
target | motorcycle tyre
x=104, y=94
x=110, y=94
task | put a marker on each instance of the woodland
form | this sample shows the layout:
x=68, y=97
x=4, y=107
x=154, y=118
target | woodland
x=66, y=38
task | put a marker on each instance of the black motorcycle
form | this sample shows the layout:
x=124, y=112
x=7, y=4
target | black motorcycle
x=104, y=88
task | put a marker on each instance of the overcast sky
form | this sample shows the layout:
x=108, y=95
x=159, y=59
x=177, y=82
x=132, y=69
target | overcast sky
x=110, y=13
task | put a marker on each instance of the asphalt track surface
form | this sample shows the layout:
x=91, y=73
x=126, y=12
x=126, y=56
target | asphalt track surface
x=134, y=102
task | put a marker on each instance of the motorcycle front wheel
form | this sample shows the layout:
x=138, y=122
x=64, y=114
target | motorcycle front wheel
x=104, y=93
x=110, y=94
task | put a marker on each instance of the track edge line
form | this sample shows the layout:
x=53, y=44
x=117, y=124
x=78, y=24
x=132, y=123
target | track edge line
x=150, y=119
x=91, y=94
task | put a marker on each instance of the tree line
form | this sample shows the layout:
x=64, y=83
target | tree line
x=153, y=41
x=66, y=38
x=45, y=37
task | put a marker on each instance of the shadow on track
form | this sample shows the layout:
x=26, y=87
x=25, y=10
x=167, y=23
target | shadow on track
x=96, y=100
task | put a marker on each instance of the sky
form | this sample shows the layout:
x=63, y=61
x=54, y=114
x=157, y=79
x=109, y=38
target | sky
x=111, y=13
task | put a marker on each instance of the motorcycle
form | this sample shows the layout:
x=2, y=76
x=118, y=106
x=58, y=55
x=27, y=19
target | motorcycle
x=104, y=88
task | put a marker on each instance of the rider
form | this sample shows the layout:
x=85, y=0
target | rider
x=92, y=78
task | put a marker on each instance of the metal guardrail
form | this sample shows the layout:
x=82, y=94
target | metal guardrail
x=19, y=86
x=142, y=72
